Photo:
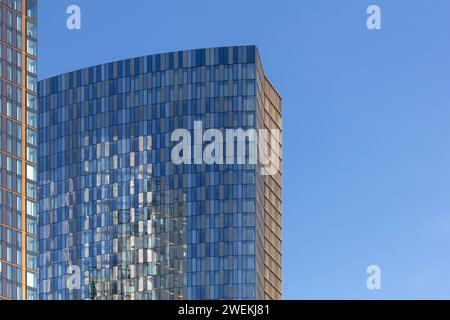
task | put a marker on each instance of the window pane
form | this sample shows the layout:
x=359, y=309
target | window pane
x=32, y=154
x=31, y=101
x=32, y=9
x=31, y=279
x=31, y=208
x=31, y=173
x=31, y=119
x=31, y=29
x=31, y=65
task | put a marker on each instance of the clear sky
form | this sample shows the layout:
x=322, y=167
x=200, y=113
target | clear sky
x=366, y=123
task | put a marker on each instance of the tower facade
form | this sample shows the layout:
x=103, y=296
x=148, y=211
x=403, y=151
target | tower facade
x=18, y=150
x=120, y=219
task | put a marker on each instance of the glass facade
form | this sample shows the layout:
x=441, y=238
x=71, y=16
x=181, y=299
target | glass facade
x=18, y=150
x=116, y=210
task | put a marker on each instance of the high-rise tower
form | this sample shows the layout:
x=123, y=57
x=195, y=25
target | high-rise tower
x=18, y=149
x=119, y=219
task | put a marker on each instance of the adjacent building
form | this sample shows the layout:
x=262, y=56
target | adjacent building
x=18, y=150
x=118, y=219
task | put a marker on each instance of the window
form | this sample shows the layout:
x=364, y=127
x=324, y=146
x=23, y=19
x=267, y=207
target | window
x=31, y=208
x=31, y=47
x=32, y=154
x=31, y=137
x=32, y=9
x=15, y=4
x=31, y=29
x=31, y=261
x=31, y=279
x=31, y=101
x=13, y=110
x=31, y=295
x=31, y=83
x=31, y=226
x=31, y=244
x=31, y=173
x=32, y=119
x=31, y=65
x=31, y=190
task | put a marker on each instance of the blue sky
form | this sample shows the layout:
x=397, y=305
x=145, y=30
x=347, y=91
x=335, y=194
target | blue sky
x=366, y=123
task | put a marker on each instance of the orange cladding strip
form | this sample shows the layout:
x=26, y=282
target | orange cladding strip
x=24, y=149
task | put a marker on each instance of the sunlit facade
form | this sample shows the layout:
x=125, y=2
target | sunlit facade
x=18, y=150
x=113, y=205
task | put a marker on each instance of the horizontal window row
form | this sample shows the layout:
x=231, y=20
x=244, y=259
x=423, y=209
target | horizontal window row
x=229, y=59
x=210, y=90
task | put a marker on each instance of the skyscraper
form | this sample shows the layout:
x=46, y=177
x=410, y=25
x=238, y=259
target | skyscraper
x=18, y=150
x=119, y=219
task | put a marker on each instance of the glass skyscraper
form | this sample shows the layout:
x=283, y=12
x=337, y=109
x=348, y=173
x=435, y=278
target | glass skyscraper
x=18, y=150
x=118, y=219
